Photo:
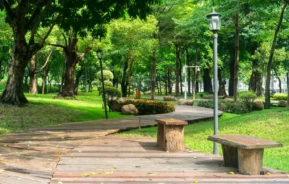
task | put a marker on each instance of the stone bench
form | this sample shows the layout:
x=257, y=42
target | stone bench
x=243, y=152
x=171, y=134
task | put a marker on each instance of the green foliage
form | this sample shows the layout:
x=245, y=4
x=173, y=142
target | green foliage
x=107, y=75
x=226, y=106
x=107, y=83
x=147, y=107
x=279, y=96
x=112, y=92
x=247, y=96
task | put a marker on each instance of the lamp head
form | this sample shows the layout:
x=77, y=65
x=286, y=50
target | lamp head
x=214, y=19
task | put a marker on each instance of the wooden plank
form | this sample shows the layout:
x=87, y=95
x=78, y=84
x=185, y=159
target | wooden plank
x=244, y=141
x=171, y=121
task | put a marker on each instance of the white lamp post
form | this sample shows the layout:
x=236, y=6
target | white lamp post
x=215, y=25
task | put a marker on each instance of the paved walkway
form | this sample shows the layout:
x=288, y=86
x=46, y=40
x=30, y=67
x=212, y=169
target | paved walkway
x=32, y=157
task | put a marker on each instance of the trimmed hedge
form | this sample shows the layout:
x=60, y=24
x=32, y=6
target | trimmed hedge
x=146, y=107
x=280, y=96
x=226, y=106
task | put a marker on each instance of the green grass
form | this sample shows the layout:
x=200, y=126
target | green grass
x=268, y=124
x=43, y=110
x=88, y=104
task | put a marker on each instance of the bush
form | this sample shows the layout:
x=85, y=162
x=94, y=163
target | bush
x=279, y=96
x=226, y=106
x=107, y=83
x=248, y=98
x=147, y=107
x=237, y=107
x=112, y=92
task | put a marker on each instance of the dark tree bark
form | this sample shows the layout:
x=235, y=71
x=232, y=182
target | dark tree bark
x=33, y=88
x=77, y=79
x=23, y=49
x=33, y=75
x=267, y=88
x=222, y=83
x=207, y=81
x=44, y=80
x=232, y=74
x=71, y=60
x=177, y=70
x=237, y=50
x=181, y=78
x=124, y=82
x=153, y=75
x=189, y=71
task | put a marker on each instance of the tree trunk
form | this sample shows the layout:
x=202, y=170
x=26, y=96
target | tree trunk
x=153, y=75
x=77, y=80
x=189, y=72
x=13, y=92
x=181, y=78
x=222, y=83
x=71, y=61
x=124, y=81
x=237, y=49
x=207, y=81
x=44, y=79
x=231, y=80
x=33, y=76
x=267, y=88
x=177, y=88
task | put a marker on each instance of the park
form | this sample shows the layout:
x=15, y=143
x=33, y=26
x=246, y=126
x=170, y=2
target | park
x=144, y=91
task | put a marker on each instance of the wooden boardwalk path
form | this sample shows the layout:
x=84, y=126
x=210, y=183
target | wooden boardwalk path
x=116, y=159
x=34, y=156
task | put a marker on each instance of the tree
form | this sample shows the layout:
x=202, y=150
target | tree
x=26, y=17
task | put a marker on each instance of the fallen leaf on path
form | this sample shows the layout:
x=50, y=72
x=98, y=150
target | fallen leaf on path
x=195, y=181
x=2, y=170
x=85, y=174
x=232, y=173
x=5, y=145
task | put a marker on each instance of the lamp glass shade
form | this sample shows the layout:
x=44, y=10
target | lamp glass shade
x=99, y=54
x=214, y=21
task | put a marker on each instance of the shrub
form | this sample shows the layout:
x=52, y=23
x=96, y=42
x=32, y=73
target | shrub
x=279, y=96
x=107, y=83
x=226, y=106
x=237, y=107
x=248, y=98
x=147, y=107
x=112, y=92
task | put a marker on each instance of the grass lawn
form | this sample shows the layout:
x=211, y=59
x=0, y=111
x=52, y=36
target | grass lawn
x=43, y=110
x=270, y=124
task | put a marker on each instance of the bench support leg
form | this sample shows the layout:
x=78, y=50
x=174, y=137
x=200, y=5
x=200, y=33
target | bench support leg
x=174, y=138
x=250, y=161
x=230, y=155
x=161, y=136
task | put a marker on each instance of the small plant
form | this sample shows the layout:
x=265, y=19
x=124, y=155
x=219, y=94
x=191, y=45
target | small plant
x=279, y=96
x=226, y=106
x=248, y=98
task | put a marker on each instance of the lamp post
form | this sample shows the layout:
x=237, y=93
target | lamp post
x=99, y=56
x=215, y=25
